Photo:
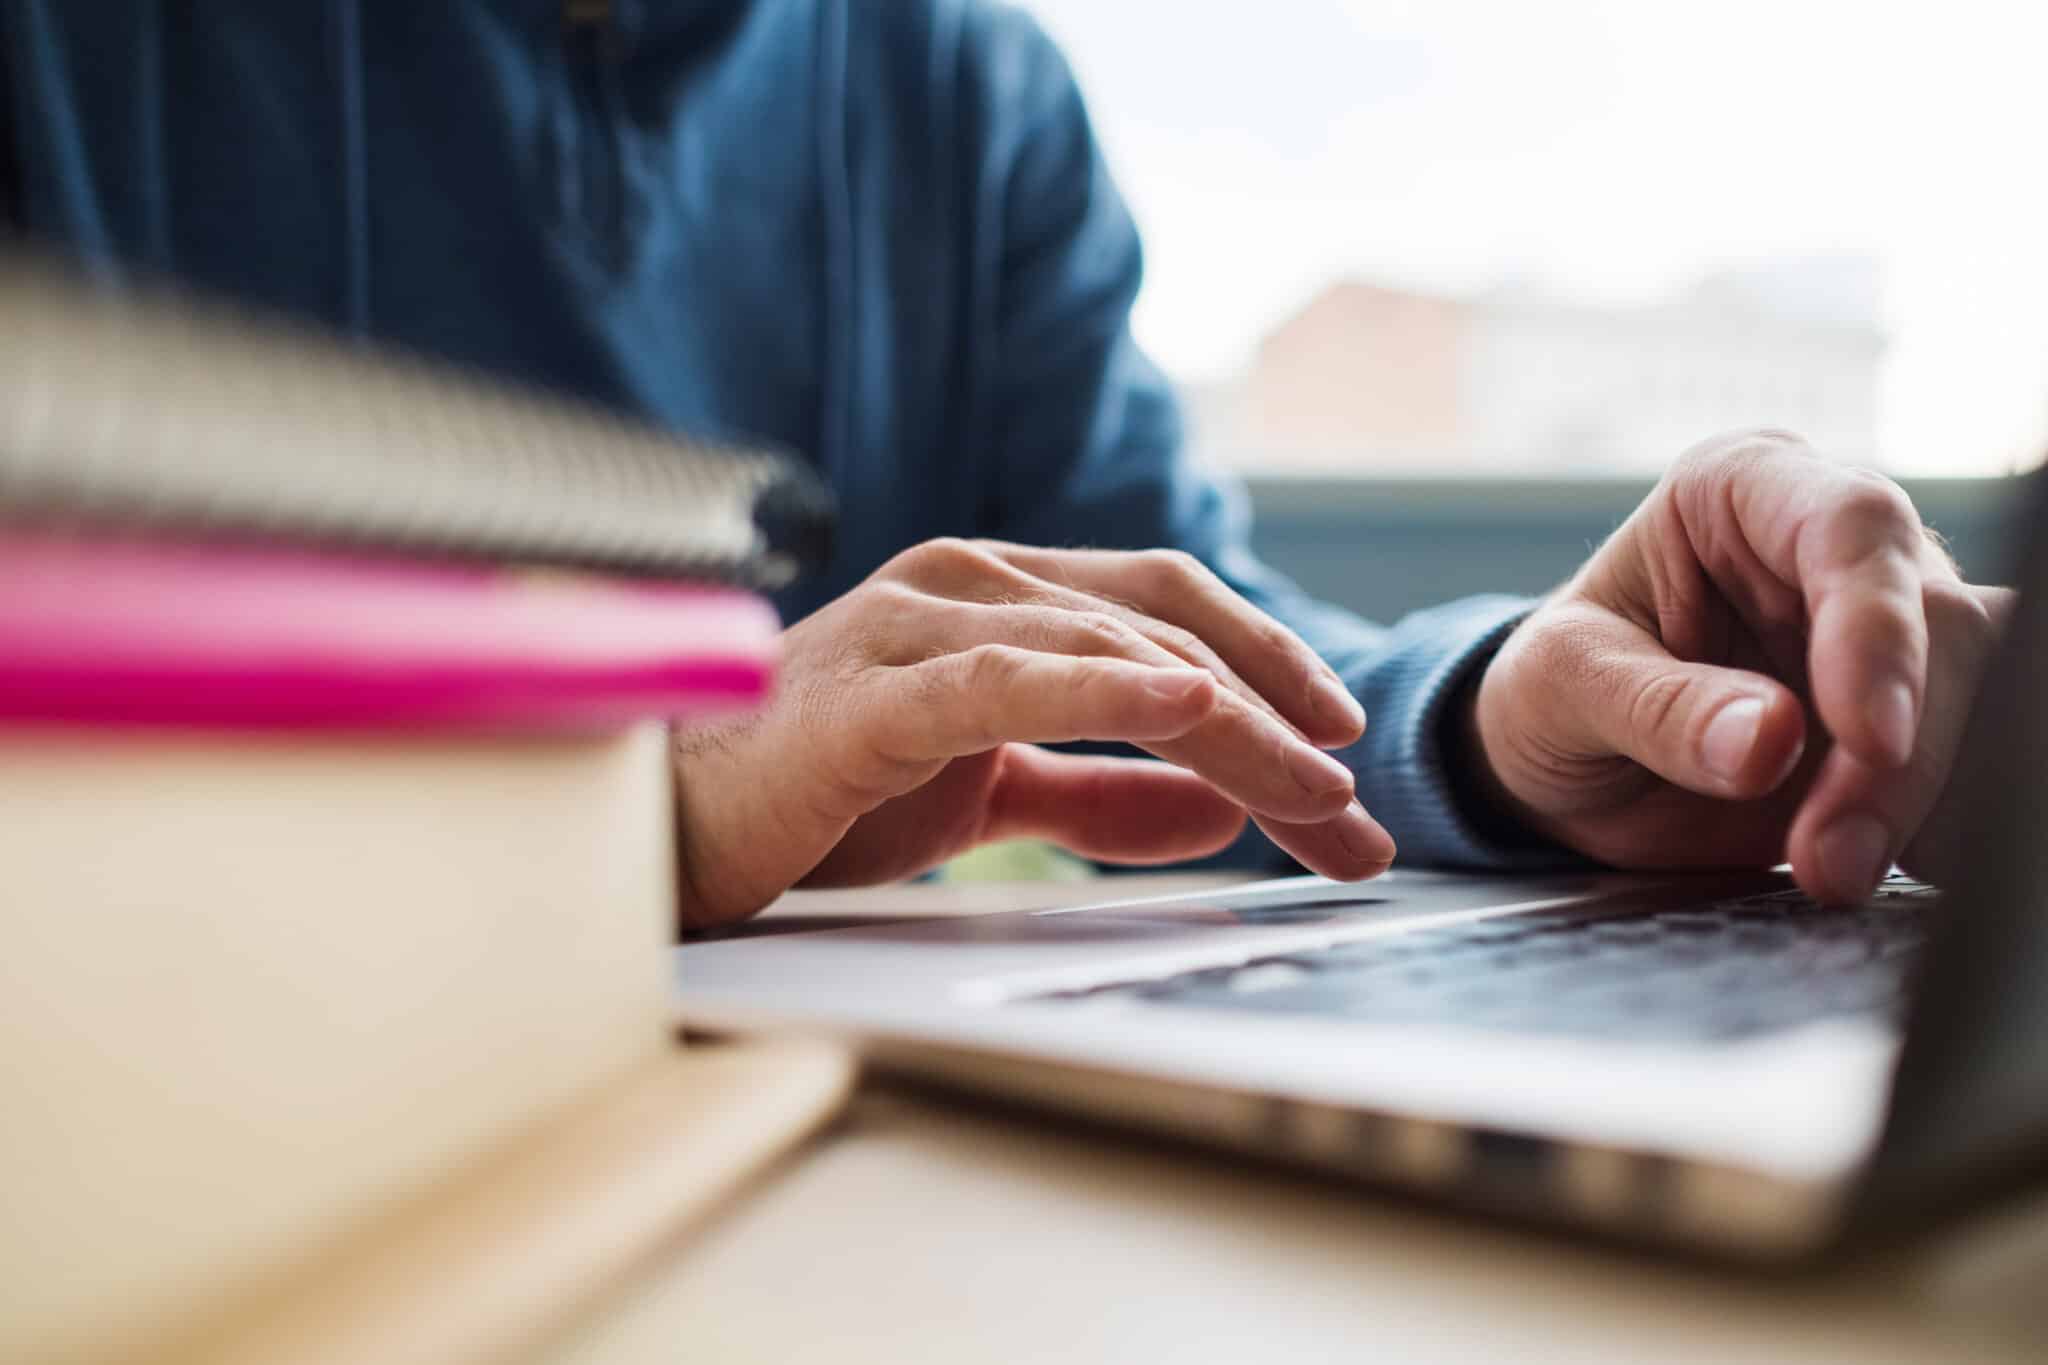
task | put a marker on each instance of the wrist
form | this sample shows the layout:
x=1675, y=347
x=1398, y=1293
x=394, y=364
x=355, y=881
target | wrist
x=1482, y=796
x=711, y=884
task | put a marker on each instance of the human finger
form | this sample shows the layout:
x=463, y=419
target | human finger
x=1350, y=846
x=1249, y=754
x=1857, y=818
x=1177, y=589
x=970, y=702
x=1119, y=810
x=1852, y=547
x=1024, y=599
x=1611, y=687
x=920, y=585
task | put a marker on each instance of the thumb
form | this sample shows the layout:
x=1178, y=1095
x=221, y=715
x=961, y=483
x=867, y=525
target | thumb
x=1722, y=732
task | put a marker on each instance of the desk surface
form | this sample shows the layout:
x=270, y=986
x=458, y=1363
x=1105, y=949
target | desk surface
x=923, y=1229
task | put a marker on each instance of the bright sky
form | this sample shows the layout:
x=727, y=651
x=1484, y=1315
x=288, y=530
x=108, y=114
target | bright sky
x=1610, y=148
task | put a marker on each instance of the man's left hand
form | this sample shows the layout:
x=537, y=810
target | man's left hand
x=1771, y=660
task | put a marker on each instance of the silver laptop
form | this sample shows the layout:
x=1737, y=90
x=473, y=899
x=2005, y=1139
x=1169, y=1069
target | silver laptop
x=1715, y=1063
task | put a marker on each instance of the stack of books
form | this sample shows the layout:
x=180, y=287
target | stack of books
x=336, y=846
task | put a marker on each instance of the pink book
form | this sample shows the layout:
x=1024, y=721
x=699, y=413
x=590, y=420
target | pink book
x=100, y=631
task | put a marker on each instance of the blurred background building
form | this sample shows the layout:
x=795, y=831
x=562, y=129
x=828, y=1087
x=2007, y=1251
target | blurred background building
x=1476, y=238
x=1368, y=379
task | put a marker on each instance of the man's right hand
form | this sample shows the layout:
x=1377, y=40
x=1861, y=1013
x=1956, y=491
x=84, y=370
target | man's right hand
x=905, y=726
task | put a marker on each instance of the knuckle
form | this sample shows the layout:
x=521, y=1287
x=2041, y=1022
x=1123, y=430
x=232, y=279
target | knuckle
x=988, y=546
x=1772, y=441
x=986, y=669
x=1180, y=640
x=976, y=693
x=1172, y=568
x=1654, y=705
x=930, y=686
x=944, y=557
x=893, y=597
x=1740, y=446
x=1095, y=684
x=1274, y=638
x=1098, y=632
x=1877, y=502
x=1303, y=666
x=876, y=623
x=1870, y=526
x=1707, y=469
x=1890, y=627
x=1769, y=442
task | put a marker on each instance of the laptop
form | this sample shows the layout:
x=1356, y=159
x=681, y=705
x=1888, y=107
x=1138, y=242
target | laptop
x=1709, y=1063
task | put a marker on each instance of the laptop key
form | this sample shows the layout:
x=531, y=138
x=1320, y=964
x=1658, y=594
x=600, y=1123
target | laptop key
x=1715, y=972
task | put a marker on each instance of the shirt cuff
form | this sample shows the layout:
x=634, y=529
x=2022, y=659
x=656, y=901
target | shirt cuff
x=1407, y=686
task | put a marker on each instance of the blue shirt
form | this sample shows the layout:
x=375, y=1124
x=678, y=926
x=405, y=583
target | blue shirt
x=880, y=233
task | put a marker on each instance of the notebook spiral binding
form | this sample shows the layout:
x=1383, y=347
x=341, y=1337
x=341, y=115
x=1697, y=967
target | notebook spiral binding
x=157, y=410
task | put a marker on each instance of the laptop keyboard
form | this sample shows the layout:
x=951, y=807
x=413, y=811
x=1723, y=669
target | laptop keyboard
x=1721, y=971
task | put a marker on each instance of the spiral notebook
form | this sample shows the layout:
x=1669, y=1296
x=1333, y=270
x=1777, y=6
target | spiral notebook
x=208, y=519
x=157, y=409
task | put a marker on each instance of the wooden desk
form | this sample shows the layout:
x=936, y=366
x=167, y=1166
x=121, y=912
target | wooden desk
x=922, y=1229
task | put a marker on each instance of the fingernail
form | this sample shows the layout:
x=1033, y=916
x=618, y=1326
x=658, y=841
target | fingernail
x=1334, y=703
x=1730, y=737
x=1855, y=853
x=1175, y=684
x=1891, y=716
x=1317, y=773
x=1363, y=838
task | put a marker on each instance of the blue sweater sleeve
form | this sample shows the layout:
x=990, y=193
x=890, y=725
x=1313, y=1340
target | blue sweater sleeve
x=1088, y=447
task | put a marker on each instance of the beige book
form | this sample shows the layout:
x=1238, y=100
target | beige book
x=495, y=1262
x=259, y=993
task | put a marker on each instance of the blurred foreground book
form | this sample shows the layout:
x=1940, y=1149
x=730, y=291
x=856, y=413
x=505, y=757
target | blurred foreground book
x=336, y=846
